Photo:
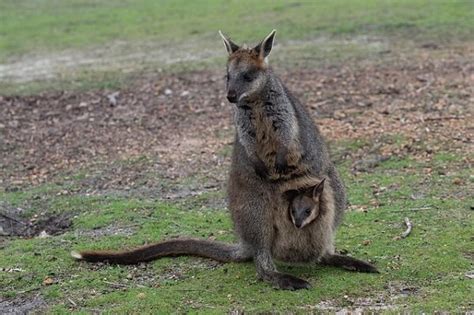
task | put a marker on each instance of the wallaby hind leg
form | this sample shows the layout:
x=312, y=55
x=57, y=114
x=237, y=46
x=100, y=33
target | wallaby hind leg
x=267, y=271
x=348, y=263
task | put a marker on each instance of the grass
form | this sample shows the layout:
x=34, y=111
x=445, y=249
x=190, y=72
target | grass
x=422, y=273
x=32, y=26
x=81, y=44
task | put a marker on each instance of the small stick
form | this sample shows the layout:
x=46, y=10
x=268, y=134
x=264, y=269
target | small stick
x=28, y=290
x=408, y=230
x=408, y=209
x=442, y=118
x=12, y=219
x=72, y=302
x=116, y=284
x=420, y=208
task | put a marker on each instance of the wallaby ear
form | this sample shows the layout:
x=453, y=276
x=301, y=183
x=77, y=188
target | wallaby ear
x=318, y=189
x=230, y=46
x=265, y=47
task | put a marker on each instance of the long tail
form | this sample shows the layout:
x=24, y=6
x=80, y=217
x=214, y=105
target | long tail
x=178, y=247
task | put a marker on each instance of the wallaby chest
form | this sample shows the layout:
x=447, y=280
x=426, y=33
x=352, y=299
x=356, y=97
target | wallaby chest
x=269, y=132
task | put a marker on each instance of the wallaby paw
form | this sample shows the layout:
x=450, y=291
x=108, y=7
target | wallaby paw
x=261, y=170
x=281, y=167
x=289, y=282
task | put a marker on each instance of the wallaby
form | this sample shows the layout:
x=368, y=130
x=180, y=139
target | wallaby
x=305, y=206
x=277, y=148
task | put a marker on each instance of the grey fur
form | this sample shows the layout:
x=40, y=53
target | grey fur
x=278, y=148
x=259, y=213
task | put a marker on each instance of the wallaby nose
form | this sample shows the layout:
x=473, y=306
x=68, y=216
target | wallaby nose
x=232, y=96
x=298, y=224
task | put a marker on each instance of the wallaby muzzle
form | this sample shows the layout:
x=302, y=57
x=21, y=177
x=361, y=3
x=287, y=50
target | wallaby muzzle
x=232, y=96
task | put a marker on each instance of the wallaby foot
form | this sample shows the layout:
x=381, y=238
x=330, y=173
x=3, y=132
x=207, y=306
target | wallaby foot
x=349, y=263
x=267, y=271
x=289, y=282
x=285, y=281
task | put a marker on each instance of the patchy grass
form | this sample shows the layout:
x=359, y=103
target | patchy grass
x=33, y=27
x=83, y=44
x=422, y=273
x=389, y=79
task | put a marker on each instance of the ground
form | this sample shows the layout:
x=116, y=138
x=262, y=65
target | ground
x=114, y=148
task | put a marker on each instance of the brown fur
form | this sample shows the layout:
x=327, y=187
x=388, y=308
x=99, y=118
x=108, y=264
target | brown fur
x=292, y=244
x=247, y=56
x=177, y=247
x=257, y=204
x=269, y=147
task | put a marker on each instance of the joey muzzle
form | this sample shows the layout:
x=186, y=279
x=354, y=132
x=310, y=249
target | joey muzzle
x=299, y=224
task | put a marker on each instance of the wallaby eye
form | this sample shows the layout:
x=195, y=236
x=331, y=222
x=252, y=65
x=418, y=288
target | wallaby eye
x=249, y=77
x=307, y=211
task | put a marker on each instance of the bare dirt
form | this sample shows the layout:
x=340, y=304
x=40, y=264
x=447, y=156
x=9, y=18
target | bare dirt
x=176, y=127
x=180, y=125
x=14, y=223
x=22, y=305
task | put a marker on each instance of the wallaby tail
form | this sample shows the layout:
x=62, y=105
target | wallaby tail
x=178, y=247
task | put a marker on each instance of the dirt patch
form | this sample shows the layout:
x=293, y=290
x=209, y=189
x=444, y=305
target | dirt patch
x=384, y=301
x=40, y=225
x=118, y=55
x=182, y=125
x=22, y=305
x=358, y=306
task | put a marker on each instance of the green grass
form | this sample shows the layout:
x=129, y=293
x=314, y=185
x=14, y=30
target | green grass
x=35, y=26
x=61, y=38
x=431, y=262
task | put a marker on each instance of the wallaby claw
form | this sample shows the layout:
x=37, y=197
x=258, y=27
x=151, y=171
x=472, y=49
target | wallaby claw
x=281, y=168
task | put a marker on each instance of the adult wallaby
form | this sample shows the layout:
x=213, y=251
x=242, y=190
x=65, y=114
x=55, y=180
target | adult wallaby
x=277, y=149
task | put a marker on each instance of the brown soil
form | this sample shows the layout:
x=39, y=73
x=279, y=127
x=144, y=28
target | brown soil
x=182, y=124
x=13, y=223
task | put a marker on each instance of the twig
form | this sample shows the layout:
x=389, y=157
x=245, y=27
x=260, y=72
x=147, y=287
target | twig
x=116, y=284
x=420, y=208
x=411, y=209
x=320, y=103
x=28, y=290
x=408, y=230
x=12, y=219
x=427, y=85
x=72, y=302
x=442, y=118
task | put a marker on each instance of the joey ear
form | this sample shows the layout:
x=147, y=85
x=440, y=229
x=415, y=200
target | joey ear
x=318, y=189
x=230, y=46
x=265, y=47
